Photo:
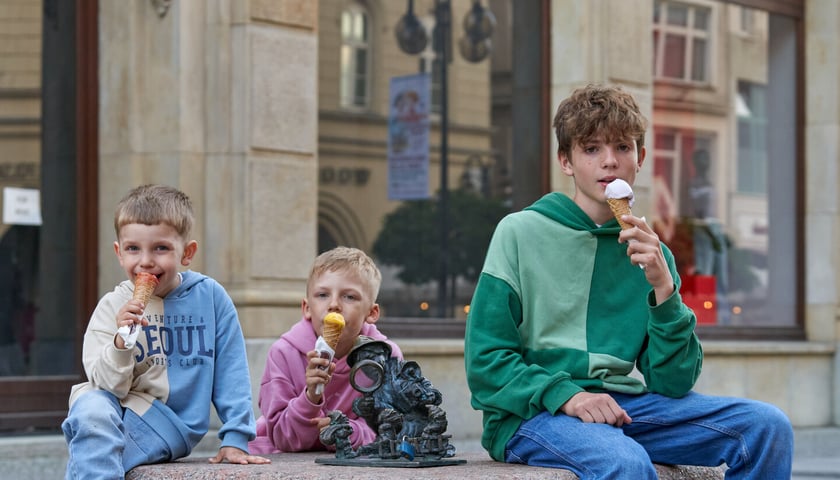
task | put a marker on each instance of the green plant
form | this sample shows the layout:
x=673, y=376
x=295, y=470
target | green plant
x=410, y=237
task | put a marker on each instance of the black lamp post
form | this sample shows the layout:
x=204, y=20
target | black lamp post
x=475, y=46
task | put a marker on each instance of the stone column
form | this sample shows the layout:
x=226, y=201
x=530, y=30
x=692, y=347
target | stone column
x=218, y=98
x=822, y=156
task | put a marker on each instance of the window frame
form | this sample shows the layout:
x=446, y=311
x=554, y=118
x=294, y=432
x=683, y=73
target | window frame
x=795, y=9
x=348, y=74
x=689, y=34
x=40, y=402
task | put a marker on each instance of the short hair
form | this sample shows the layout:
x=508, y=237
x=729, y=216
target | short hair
x=598, y=110
x=348, y=259
x=153, y=205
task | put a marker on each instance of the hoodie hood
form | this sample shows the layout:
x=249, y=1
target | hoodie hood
x=562, y=209
x=302, y=337
x=189, y=279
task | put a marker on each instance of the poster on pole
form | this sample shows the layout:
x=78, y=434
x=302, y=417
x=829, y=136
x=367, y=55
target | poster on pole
x=408, y=137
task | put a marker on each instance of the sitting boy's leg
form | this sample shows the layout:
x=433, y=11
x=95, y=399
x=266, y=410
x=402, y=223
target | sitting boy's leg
x=754, y=439
x=590, y=450
x=143, y=445
x=94, y=434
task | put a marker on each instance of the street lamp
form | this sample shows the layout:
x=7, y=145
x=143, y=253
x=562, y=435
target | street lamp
x=475, y=46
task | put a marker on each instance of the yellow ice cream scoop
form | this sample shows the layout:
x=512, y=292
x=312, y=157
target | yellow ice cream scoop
x=333, y=324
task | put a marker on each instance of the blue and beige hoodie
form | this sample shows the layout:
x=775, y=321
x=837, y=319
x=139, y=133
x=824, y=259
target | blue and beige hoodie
x=192, y=353
x=559, y=309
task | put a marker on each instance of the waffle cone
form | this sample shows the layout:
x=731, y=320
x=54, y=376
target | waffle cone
x=619, y=207
x=144, y=285
x=333, y=324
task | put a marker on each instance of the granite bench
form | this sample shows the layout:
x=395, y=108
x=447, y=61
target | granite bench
x=303, y=466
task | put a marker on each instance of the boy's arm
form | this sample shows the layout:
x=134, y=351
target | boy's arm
x=231, y=384
x=497, y=374
x=107, y=367
x=672, y=361
x=288, y=413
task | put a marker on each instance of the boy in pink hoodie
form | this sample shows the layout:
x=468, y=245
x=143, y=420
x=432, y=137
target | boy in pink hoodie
x=346, y=281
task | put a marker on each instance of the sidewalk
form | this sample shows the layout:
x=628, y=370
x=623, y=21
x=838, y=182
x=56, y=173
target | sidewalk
x=24, y=457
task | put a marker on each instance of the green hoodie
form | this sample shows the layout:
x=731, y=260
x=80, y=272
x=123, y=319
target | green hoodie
x=559, y=309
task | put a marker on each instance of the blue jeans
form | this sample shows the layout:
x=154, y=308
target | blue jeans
x=106, y=440
x=754, y=439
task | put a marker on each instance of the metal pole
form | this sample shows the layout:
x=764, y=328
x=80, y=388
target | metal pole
x=443, y=20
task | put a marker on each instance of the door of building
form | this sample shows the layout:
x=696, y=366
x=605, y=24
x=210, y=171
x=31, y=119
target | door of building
x=48, y=185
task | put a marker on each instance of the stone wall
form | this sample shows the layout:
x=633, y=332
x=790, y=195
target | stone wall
x=218, y=98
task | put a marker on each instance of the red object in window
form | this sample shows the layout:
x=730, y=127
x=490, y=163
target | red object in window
x=699, y=292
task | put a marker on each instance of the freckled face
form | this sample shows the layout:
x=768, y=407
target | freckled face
x=596, y=163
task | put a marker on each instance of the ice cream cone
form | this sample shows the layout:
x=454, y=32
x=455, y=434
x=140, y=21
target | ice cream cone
x=144, y=286
x=619, y=207
x=620, y=198
x=333, y=324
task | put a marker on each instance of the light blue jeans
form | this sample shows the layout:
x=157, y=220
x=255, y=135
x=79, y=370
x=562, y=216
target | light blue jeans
x=106, y=440
x=754, y=439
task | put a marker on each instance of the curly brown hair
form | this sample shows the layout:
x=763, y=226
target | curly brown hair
x=598, y=110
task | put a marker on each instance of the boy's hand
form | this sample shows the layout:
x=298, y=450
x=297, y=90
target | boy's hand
x=235, y=455
x=644, y=249
x=131, y=313
x=596, y=408
x=320, y=422
x=318, y=372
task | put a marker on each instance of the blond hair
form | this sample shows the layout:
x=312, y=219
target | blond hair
x=598, y=110
x=153, y=205
x=348, y=259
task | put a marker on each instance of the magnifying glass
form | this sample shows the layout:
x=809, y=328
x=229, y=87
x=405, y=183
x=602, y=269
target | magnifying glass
x=373, y=374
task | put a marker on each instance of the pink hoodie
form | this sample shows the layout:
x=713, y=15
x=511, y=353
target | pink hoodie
x=286, y=412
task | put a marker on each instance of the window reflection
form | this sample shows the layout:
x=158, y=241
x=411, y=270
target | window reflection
x=355, y=62
x=714, y=147
x=724, y=135
x=680, y=41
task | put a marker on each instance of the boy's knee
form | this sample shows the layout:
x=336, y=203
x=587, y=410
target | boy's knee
x=779, y=422
x=95, y=404
x=771, y=417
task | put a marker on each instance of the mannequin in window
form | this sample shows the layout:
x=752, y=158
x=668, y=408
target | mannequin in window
x=710, y=242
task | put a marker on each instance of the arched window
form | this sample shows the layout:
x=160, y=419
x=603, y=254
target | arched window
x=355, y=57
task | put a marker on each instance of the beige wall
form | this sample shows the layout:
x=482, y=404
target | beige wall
x=228, y=115
x=822, y=157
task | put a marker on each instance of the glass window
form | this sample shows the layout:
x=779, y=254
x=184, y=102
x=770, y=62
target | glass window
x=681, y=33
x=429, y=64
x=47, y=279
x=723, y=117
x=750, y=108
x=714, y=147
x=355, y=57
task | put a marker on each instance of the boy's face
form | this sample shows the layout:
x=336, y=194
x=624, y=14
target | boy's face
x=345, y=293
x=156, y=249
x=594, y=164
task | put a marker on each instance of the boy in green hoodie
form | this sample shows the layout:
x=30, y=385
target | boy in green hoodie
x=568, y=304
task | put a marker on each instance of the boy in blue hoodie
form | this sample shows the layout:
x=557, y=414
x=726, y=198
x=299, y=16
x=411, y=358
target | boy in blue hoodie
x=148, y=395
x=562, y=314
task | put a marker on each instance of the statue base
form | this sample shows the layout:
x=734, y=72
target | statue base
x=391, y=463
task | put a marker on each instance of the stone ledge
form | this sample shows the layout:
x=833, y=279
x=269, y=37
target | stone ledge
x=302, y=466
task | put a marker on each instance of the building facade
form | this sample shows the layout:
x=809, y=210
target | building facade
x=274, y=115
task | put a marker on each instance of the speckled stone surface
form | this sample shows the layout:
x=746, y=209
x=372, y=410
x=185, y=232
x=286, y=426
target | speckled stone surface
x=302, y=466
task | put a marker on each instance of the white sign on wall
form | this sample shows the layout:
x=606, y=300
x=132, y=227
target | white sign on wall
x=21, y=206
